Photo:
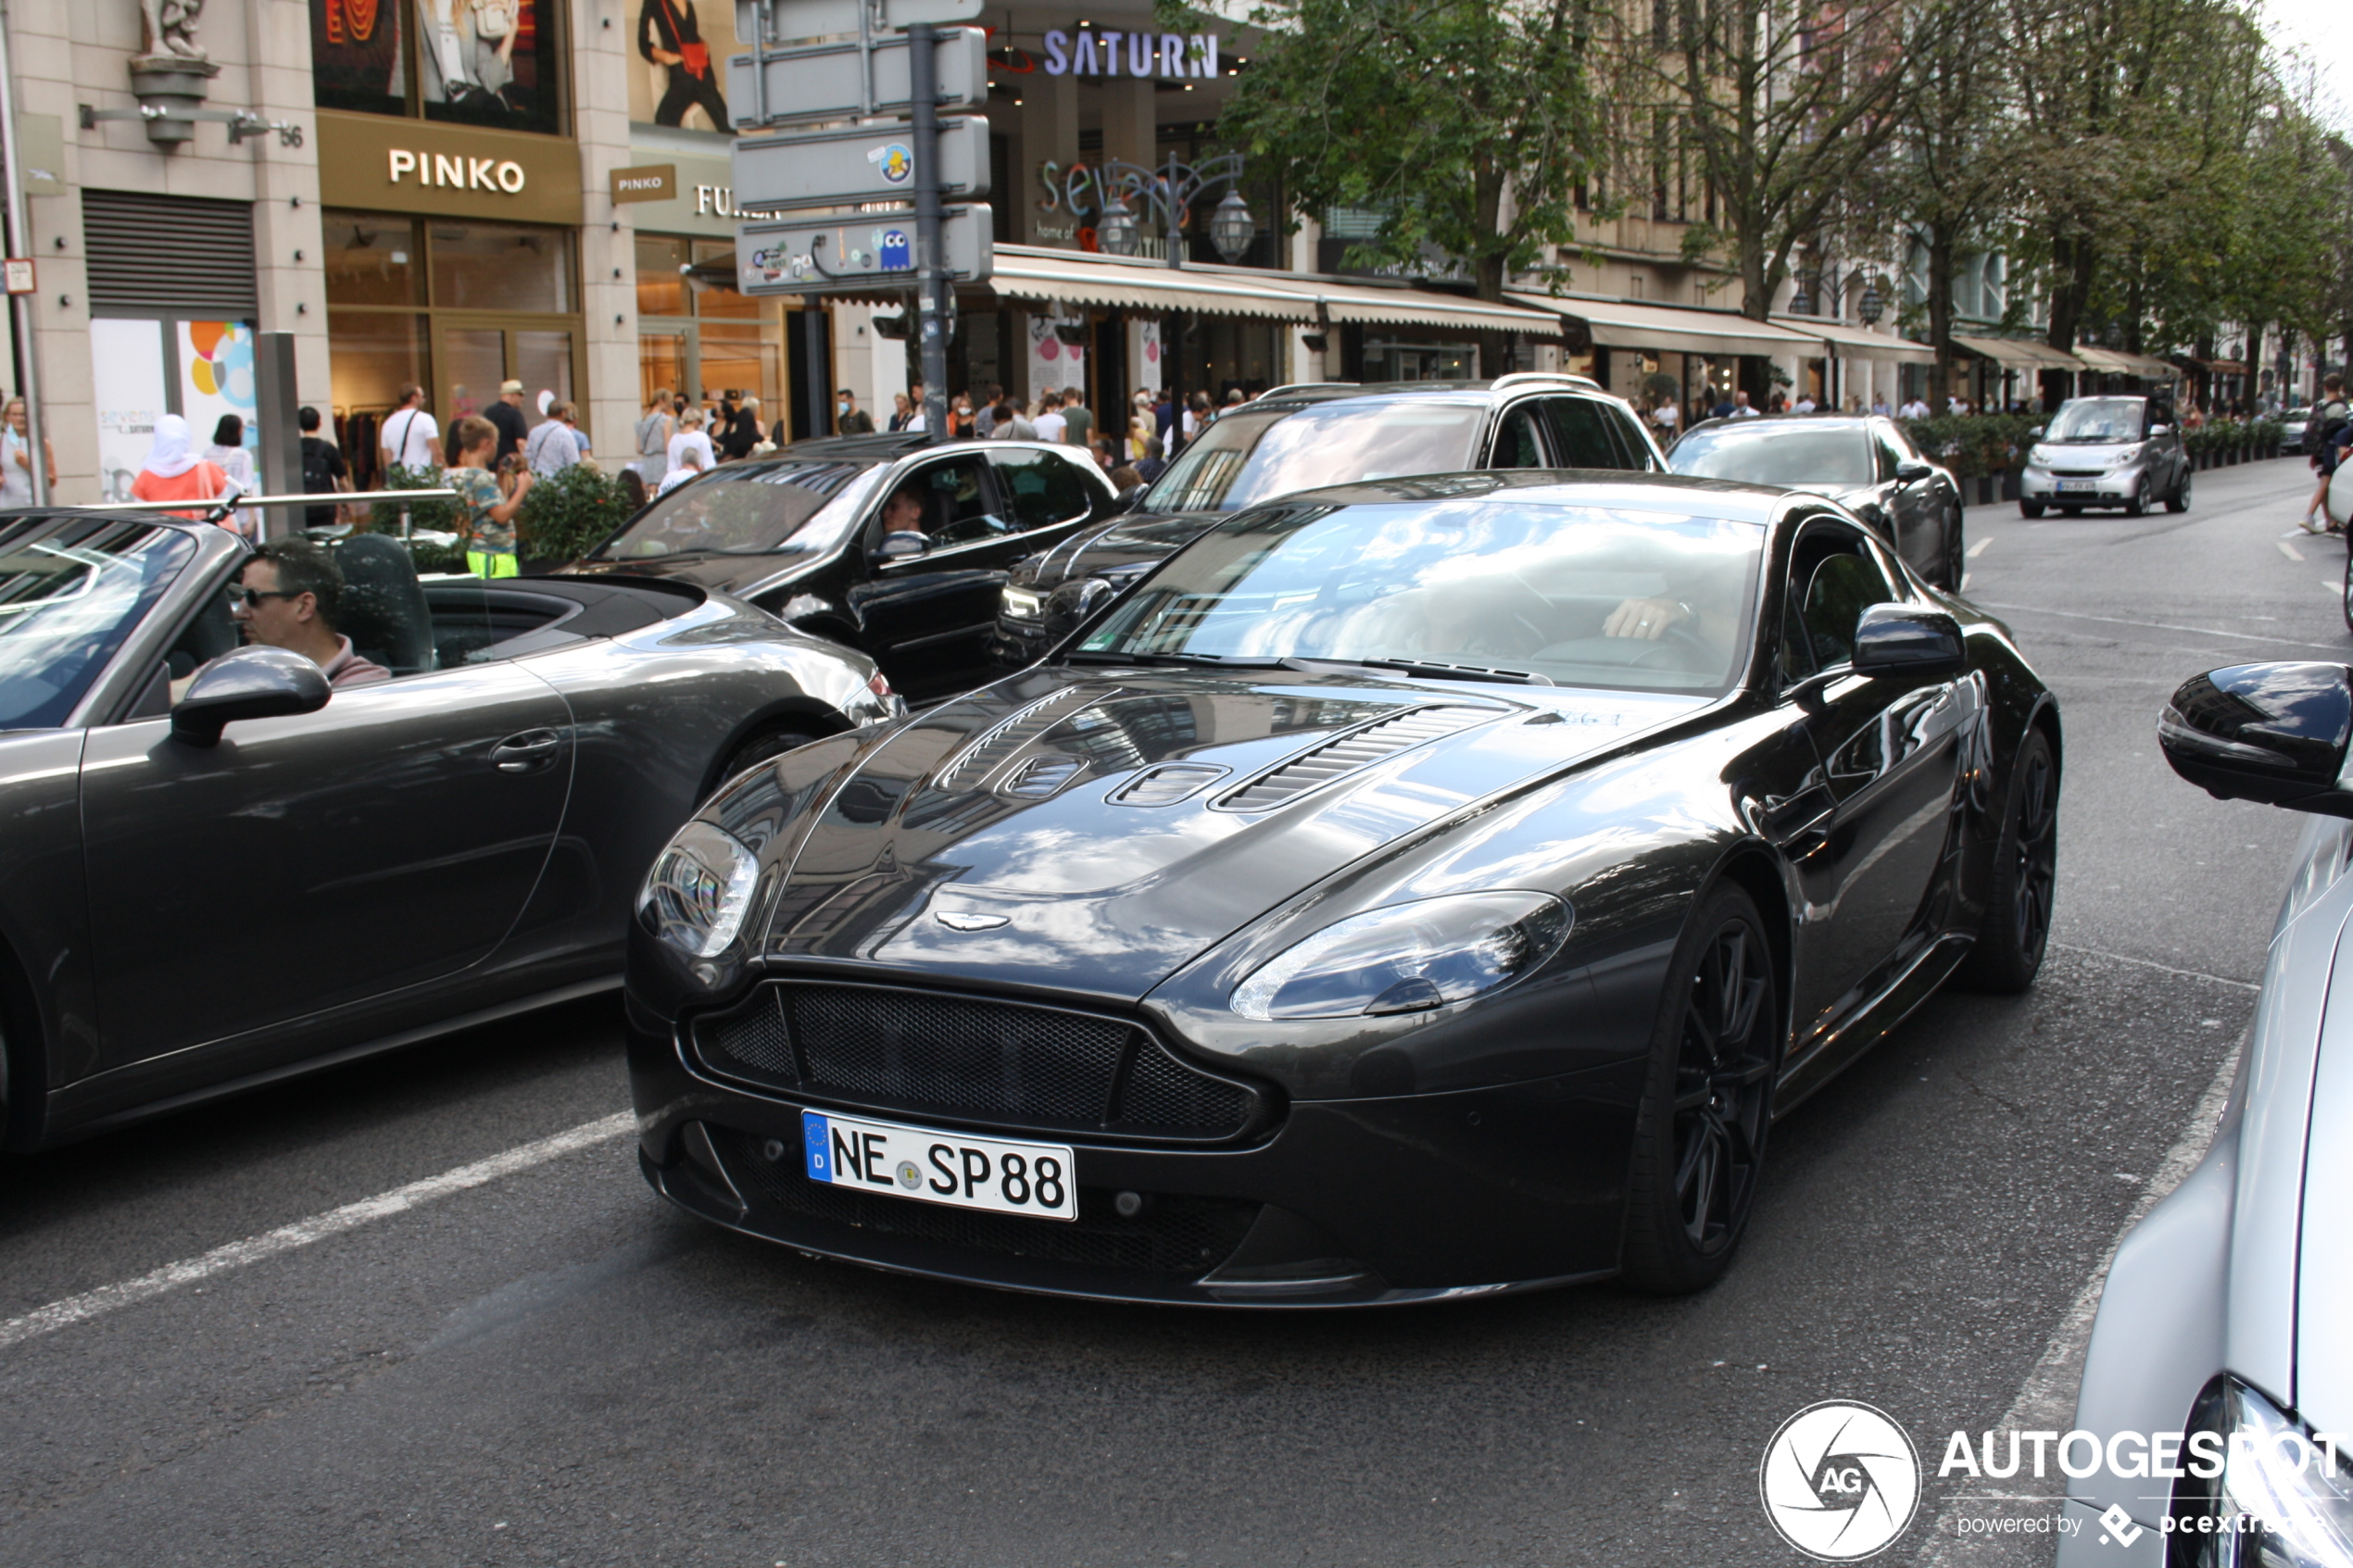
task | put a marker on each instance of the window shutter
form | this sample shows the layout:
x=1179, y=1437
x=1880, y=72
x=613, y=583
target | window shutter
x=168, y=253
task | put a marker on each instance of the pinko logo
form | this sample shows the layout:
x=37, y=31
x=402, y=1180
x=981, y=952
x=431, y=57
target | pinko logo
x=1839, y=1481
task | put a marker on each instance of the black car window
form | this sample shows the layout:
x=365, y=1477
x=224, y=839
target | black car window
x=1590, y=435
x=955, y=501
x=1795, y=659
x=71, y=590
x=1518, y=444
x=1252, y=454
x=1794, y=452
x=793, y=508
x=1043, y=489
x=1889, y=457
x=1842, y=580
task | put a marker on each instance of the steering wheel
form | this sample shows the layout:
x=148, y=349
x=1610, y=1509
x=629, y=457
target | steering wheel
x=1703, y=657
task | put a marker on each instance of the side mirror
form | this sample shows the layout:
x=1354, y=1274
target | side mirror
x=2035, y=432
x=2155, y=431
x=257, y=682
x=902, y=545
x=1911, y=471
x=1125, y=500
x=2273, y=733
x=1907, y=640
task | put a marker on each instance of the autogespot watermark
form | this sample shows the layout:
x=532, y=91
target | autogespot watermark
x=1841, y=1480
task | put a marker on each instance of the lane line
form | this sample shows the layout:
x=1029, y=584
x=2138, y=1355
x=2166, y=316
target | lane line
x=2161, y=625
x=1979, y=548
x=2047, y=1400
x=2152, y=963
x=2290, y=551
x=302, y=1233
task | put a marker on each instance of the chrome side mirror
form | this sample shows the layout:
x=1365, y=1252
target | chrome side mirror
x=254, y=682
x=2273, y=733
x=902, y=544
x=1908, y=640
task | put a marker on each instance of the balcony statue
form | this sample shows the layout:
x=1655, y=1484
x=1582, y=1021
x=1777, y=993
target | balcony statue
x=168, y=31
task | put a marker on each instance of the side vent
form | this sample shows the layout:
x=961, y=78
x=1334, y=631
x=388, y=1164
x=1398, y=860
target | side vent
x=979, y=758
x=1168, y=784
x=1359, y=749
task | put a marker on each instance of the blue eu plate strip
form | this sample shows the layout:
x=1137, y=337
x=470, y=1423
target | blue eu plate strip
x=812, y=1133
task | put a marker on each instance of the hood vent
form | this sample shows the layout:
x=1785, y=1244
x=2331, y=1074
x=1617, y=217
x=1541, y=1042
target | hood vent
x=1168, y=784
x=1042, y=776
x=982, y=757
x=1358, y=749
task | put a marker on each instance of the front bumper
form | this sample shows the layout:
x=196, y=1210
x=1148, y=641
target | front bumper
x=1340, y=1203
x=2110, y=488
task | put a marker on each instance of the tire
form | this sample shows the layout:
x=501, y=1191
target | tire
x=1955, y=555
x=1700, y=1131
x=2139, y=505
x=2030, y=508
x=2349, y=584
x=765, y=746
x=2180, y=500
x=2015, y=931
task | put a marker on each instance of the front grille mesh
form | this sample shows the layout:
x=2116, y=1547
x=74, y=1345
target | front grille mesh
x=1001, y=1063
x=1176, y=1236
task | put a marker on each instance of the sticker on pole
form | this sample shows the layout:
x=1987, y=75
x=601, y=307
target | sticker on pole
x=19, y=272
x=898, y=255
x=896, y=163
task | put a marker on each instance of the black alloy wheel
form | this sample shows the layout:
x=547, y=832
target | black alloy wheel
x=2015, y=931
x=1699, y=1137
x=766, y=747
x=2139, y=505
x=1956, y=552
x=2180, y=500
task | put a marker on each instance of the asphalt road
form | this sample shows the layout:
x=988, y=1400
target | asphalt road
x=553, y=1367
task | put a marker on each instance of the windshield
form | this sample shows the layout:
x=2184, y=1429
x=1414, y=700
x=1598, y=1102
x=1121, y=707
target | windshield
x=1583, y=595
x=751, y=509
x=71, y=589
x=2097, y=419
x=1776, y=453
x=1248, y=457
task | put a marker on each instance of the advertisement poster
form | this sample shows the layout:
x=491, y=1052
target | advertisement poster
x=215, y=378
x=126, y=383
x=475, y=62
x=1143, y=356
x=1053, y=364
x=679, y=76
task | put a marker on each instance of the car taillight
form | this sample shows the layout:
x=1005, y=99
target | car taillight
x=879, y=684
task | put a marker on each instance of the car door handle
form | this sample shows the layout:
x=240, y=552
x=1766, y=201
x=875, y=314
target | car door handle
x=527, y=752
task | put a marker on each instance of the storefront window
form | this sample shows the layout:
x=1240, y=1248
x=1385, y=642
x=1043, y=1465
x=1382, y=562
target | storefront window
x=471, y=62
x=500, y=266
x=372, y=259
x=661, y=289
x=698, y=336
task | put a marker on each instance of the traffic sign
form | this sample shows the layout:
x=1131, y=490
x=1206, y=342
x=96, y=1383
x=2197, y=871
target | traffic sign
x=862, y=164
x=857, y=250
x=789, y=20
x=820, y=81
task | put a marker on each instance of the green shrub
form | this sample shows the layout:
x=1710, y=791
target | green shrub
x=439, y=513
x=570, y=513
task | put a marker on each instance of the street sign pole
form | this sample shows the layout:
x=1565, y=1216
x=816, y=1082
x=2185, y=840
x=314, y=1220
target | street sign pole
x=931, y=275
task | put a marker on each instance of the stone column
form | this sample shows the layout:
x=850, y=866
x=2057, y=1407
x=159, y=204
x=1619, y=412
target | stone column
x=1047, y=130
x=601, y=57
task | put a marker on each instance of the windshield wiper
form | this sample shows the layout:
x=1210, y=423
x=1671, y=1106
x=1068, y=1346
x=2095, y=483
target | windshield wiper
x=1198, y=660
x=1431, y=670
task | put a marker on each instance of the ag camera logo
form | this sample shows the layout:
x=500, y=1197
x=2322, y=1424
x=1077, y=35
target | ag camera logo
x=1839, y=1481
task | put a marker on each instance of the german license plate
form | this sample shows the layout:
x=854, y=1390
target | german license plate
x=2077, y=486
x=954, y=1169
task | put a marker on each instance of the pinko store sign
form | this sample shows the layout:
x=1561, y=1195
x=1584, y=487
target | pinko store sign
x=1106, y=51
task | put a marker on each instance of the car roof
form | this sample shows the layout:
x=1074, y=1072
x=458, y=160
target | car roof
x=1291, y=398
x=1787, y=421
x=1620, y=489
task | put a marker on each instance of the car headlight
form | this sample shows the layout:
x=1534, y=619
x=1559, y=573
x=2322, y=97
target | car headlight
x=2129, y=456
x=2281, y=1501
x=2039, y=458
x=695, y=897
x=1409, y=958
x=1020, y=604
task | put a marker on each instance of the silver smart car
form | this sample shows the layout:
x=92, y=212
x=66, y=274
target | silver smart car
x=2106, y=452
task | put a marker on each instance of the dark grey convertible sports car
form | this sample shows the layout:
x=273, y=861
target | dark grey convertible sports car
x=213, y=876
x=1411, y=889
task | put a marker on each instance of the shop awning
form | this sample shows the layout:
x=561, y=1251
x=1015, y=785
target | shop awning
x=2110, y=361
x=1087, y=278
x=1859, y=342
x=2019, y=354
x=1668, y=329
x=2226, y=367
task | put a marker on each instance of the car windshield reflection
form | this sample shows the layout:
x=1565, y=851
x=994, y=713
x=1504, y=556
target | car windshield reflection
x=1776, y=453
x=1250, y=457
x=752, y=509
x=71, y=589
x=2097, y=419
x=1583, y=595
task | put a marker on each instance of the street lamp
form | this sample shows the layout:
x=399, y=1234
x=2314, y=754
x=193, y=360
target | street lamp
x=1115, y=230
x=1167, y=195
x=1869, y=306
x=1231, y=228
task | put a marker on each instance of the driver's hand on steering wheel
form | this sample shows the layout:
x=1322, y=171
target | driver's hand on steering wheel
x=1646, y=619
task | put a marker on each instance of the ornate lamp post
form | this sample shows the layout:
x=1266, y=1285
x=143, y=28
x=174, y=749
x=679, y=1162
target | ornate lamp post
x=1873, y=303
x=1168, y=194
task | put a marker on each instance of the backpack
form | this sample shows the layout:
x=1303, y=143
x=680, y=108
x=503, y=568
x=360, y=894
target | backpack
x=318, y=467
x=2326, y=424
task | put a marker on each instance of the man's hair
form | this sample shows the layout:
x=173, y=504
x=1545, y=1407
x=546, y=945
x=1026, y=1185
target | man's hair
x=1152, y=447
x=1072, y=395
x=560, y=411
x=309, y=418
x=474, y=431
x=305, y=568
x=2333, y=383
x=409, y=390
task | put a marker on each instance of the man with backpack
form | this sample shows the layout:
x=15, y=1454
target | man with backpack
x=323, y=471
x=2325, y=433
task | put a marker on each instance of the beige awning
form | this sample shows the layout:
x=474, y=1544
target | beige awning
x=2020, y=354
x=1669, y=329
x=1860, y=343
x=2112, y=362
x=1070, y=277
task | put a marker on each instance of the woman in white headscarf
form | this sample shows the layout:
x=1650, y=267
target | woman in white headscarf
x=174, y=473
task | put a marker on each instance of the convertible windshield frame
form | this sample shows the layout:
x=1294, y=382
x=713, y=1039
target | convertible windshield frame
x=74, y=590
x=797, y=506
x=1250, y=456
x=1578, y=594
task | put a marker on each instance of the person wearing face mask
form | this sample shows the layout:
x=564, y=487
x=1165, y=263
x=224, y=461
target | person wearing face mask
x=850, y=419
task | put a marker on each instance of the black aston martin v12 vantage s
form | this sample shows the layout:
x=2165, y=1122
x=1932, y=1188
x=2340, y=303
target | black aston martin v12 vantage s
x=1412, y=889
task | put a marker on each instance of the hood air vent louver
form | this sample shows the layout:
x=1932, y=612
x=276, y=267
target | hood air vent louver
x=1358, y=749
x=982, y=757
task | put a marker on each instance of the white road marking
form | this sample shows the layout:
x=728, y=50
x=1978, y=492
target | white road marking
x=2047, y=1400
x=2333, y=585
x=302, y=1233
x=2151, y=963
x=1979, y=548
x=2290, y=551
x=1966, y=577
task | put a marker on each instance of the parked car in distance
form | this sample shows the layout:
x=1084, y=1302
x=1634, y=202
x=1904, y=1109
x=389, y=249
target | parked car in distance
x=2220, y=1316
x=2106, y=451
x=804, y=536
x=1300, y=437
x=1865, y=462
x=1416, y=888
x=257, y=873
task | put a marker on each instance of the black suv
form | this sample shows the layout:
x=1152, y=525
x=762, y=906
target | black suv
x=1299, y=438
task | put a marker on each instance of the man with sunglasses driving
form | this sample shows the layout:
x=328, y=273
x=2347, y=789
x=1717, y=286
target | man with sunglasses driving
x=287, y=597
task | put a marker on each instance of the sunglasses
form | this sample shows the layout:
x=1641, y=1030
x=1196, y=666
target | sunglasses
x=251, y=597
